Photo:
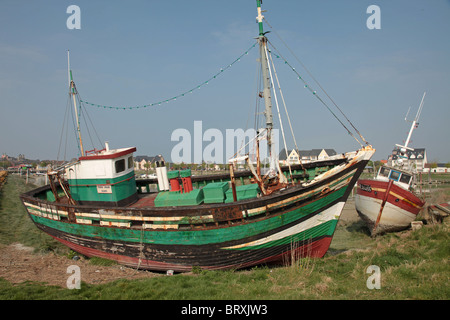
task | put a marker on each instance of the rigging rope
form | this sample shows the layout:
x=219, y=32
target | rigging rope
x=64, y=130
x=278, y=110
x=307, y=86
x=84, y=112
x=285, y=108
x=317, y=82
x=181, y=94
x=278, y=55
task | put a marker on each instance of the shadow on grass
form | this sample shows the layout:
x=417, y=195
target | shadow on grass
x=358, y=227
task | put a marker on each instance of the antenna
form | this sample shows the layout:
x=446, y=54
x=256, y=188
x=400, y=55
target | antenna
x=420, y=107
x=406, y=117
x=68, y=66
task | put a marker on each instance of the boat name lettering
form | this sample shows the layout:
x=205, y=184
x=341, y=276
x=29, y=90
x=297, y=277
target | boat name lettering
x=365, y=187
x=104, y=189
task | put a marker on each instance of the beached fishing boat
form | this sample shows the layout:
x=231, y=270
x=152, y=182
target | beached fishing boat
x=97, y=207
x=389, y=202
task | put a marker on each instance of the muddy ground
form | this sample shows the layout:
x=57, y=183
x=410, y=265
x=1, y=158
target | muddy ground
x=19, y=264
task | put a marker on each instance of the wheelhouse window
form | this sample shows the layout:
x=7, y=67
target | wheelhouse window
x=384, y=172
x=394, y=175
x=120, y=165
x=130, y=162
x=405, y=178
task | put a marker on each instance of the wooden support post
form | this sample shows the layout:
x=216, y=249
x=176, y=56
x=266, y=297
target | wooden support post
x=386, y=195
x=233, y=182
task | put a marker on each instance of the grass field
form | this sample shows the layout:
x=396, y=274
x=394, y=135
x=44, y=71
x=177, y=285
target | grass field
x=412, y=264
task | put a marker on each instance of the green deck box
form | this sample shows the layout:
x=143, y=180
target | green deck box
x=192, y=198
x=185, y=173
x=173, y=174
x=248, y=191
x=215, y=192
x=167, y=199
x=176, y=198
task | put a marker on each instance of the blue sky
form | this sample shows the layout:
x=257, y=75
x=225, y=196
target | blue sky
x=139, y=52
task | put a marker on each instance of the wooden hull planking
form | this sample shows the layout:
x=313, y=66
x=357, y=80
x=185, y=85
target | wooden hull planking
x=299, y=220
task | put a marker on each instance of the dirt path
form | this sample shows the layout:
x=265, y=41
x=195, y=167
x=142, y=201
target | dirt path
x=349, y=214
x=18, y=264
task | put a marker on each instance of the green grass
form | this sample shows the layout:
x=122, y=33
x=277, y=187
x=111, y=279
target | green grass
x=413, y=264
x=15, y=224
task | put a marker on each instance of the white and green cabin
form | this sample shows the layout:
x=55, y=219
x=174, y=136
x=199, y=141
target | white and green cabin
x=104, y=177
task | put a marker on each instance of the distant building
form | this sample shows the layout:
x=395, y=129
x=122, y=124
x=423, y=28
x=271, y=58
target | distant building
x=441, y=168
x=414, y=159
x=304, y=155
x=141, y=161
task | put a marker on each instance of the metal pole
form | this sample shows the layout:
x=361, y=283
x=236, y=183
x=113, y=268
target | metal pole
x=414, y=124
x=266, y=81
x=72, y=91
x=260, y=18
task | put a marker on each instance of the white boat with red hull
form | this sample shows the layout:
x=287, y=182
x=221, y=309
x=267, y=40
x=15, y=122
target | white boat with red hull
x=388, y=203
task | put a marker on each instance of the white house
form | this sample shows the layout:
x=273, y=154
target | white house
x=441, y=168
x=415, y=159
x=141, y=161
x=295, y=157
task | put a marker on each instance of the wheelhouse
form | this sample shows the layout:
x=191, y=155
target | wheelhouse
x=104, y=177
x=401, y=177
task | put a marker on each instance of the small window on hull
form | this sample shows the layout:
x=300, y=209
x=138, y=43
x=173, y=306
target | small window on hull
x=120, y=165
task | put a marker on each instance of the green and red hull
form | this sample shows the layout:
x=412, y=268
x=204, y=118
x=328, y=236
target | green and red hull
x=299, y=220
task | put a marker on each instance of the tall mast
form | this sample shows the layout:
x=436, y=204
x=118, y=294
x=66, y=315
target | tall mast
x=415, y=122
x=266, y=78
x=414, y=125
x=73, y=92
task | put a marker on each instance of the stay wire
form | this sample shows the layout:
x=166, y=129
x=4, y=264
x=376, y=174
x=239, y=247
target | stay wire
x=85, y=112
x=64, y=128
x=285, y=107
x=316, y=81
x=87, y=127
x=315, y=93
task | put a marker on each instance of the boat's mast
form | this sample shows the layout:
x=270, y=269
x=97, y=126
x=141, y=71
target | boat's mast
x=266, y=78
x=415, y=122
x=72, y=91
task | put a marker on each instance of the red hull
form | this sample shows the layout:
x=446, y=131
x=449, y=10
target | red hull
x=398, y=196
x=384, y=212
